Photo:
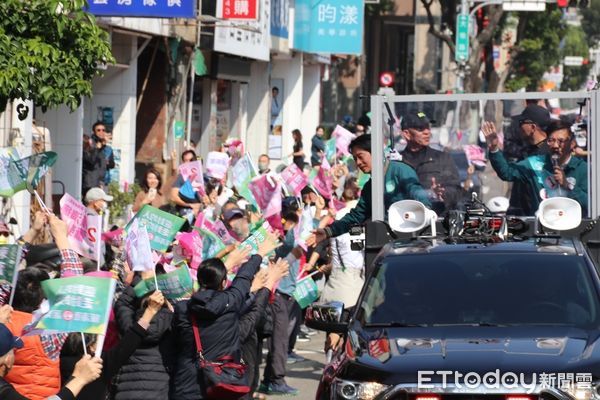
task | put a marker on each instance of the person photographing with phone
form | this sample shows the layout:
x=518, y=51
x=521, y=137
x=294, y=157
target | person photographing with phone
x=98, y=159
x=151, y=191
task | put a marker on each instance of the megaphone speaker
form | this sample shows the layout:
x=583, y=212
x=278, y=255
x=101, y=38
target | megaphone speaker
x=408, y=216
x=559, y=213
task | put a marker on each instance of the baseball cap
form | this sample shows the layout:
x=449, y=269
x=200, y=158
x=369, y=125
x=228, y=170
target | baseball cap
x=232, y=214
x=416, y=120
x=536, y=114
x=97, y=194
x=8, y=341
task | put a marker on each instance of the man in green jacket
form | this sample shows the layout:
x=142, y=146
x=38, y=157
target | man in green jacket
x=557, y=174
x=401, y=183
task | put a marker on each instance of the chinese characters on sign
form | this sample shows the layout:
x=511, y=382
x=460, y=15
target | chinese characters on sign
x=252, y=40
x=329, y=26
x=161, y=226
x=240, y=9
x=144, y=8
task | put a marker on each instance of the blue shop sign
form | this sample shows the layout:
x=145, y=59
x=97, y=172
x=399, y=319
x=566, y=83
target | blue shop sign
x=143, y=8
x=280, y=18
x=329, y=26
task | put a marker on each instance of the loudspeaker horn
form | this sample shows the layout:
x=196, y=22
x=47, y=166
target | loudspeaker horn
x=559, y=213
x=410, y=216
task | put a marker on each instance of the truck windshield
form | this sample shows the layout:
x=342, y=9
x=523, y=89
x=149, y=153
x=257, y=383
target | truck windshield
x=481, y=289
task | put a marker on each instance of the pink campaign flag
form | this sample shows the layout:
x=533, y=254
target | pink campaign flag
x=294, y=179
x=190, y=244
x=137, y=246
x=323, y=182
x=83, y=230
x=343, y=137
x=192, y=171
x=267, y=192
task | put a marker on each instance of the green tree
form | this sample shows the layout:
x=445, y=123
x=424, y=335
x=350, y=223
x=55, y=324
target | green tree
x=537, y=48
x=589, y=22
x=575, y=44
x=49, y=51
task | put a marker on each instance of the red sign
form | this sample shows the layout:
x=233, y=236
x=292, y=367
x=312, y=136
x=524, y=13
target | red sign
x=386, y=79
x=239, y=9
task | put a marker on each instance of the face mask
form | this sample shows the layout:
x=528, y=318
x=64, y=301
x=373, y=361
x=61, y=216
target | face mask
x=3, y=239
x=263, y=167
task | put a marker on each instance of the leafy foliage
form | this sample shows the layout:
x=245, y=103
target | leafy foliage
x=589, y=22
x=538, y=49
x=574, y=44
x=49, y=51
x=121, y=199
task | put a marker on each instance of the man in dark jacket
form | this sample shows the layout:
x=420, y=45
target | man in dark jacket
x=436, y=169
x=98, y=159
x=557, y=174
x=317, y=147
x=217, y=313
x=531, y=125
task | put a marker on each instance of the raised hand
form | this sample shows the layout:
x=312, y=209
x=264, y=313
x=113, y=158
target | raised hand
x=236, y=257
x=491, y=136
x=268, y=245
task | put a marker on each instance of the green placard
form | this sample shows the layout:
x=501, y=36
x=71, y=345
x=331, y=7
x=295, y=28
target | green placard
x=306, y=292
x=10, y=256
x=461, y=52
x=77, y=304
x=178, y=130
x=161, y=226
x=175, y=285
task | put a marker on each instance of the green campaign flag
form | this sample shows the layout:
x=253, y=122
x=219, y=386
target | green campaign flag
x=312, y=174
x=306, y=292
x=10, y=257
x=211, y=243
x=161, y=226
x=258, y=235
x=39, y=164
x=330, y=150
x=77, y=304
x=11, y=172
x=176, y=285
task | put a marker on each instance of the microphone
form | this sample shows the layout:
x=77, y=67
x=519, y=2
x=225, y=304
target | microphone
x=555, y=161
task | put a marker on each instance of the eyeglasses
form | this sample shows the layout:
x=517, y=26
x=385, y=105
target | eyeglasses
x=100, y=130
x=559, y=141
x=5, y=234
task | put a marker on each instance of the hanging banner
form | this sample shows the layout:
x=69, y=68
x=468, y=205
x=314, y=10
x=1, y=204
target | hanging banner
x=246, y=10
x=143, y=8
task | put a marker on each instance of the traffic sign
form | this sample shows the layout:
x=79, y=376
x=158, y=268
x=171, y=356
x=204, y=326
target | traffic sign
x=524, y=5
x=461, y=51
x=386, y=79
x=573, y=61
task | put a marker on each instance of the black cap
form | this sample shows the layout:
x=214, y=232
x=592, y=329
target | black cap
x=536, y=114
x=8, y=341
x=232, y=214
x=416, y=120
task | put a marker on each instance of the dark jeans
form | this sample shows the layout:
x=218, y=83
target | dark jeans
x=294, y=325
x=279, y=342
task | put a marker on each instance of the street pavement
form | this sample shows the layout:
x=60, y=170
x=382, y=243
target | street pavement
x=305, y=375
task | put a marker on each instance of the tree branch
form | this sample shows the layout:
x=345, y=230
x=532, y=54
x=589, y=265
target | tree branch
x=433, y=30
x=486, y=35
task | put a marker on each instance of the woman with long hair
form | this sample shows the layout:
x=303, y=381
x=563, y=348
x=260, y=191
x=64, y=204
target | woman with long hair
x=150, y=194
x=298, y=153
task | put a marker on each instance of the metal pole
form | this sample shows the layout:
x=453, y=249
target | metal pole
x=377, y=166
